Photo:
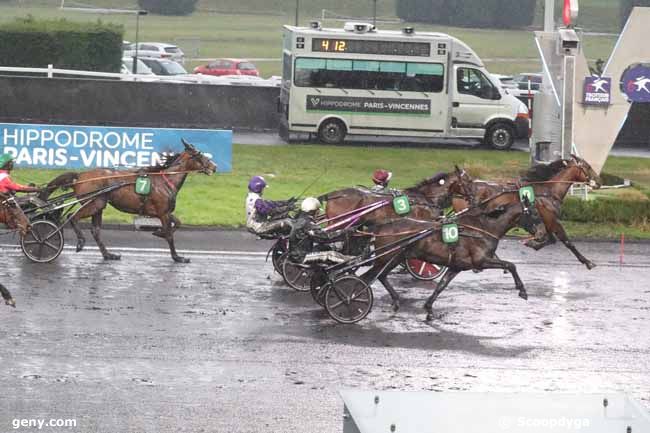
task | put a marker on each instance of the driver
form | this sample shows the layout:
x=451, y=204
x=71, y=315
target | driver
x=306, y=234
x=7, y=185
x=260, y=213
x=381, y=178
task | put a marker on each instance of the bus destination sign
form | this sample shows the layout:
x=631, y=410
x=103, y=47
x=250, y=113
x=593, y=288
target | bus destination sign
x=369, y=105
x=361, y=46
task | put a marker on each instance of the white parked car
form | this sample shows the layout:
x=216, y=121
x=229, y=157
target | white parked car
x=158, y=50
x=507, y=82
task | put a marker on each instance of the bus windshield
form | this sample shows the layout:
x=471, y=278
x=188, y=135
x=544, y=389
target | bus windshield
x=369, y=75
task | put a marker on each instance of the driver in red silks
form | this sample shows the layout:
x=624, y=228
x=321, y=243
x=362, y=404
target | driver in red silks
x=6, y=184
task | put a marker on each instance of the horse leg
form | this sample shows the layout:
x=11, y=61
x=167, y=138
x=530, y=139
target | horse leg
x=96, y=231
x=495, y=263
x=175, y=224
x=81, y=239
x=168, y=233
x=561, y=234
x=383, y=279
x=9, y=300
x=442, y=285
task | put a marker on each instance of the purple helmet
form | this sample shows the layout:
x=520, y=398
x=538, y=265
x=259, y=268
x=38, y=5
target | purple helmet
x=256, y=184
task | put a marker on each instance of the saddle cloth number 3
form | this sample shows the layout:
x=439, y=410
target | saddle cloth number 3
x=143, y=185
x=401, y=205
x=450, y=233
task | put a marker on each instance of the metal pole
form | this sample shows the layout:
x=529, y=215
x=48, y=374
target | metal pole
x=549, y=16
x=137, y=35
x=374, y=13
x=297, y=11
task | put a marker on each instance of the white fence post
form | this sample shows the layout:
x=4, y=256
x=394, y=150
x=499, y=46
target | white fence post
x=50, y=71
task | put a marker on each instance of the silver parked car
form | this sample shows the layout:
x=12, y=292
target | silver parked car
x=157, y=49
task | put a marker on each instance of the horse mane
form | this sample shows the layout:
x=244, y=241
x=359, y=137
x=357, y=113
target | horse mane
x=165, y=162
x=431, y=180
x=543, y=172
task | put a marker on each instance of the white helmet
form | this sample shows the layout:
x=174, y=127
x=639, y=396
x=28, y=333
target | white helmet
x=310, y=204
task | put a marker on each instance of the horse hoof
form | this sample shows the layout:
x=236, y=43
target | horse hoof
x=111, y=256
x=11, y=302
x=159, y=234
x=80, y=244
x=590, y=265
x=179, y=259
x=429, y=317
x=396, y=306
x=523, y=295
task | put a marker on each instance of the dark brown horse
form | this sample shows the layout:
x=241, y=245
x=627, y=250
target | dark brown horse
x=166, y=180
x=479, y=235
x=13, y=217
x=428, y=198
x=551, y=183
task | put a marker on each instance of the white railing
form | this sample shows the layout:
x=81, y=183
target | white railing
x=51, y=72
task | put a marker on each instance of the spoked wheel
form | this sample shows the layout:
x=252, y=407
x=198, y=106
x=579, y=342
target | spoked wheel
x=296, y=275
x=318, y=286
x=276, y=255
x=348, y=299
x=43, y=243
x=423, y=271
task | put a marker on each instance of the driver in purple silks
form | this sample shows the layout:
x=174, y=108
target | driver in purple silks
x=266, y=216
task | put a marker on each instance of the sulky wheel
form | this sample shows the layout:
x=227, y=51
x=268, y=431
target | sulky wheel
x=318, y=286
x=43, y=243
x=276, y=255
x=296, y=275
x=348, y=299
x=423, y=271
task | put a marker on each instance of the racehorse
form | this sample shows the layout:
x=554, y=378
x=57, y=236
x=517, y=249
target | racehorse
x=13, y=217
x=551, y=182
x=166, y=179
x=428, y=198
x=479, y=235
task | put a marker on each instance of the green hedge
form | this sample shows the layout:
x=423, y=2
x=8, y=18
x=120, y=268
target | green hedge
x=615, y=211
x=469, y=13
x=168, y=7
x=626, y=8
x=28, y=42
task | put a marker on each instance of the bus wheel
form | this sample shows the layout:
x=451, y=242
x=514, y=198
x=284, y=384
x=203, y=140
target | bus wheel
x=332, y=131
x=500, y=136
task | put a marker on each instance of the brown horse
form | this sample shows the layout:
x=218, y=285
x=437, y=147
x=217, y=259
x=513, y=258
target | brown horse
x=551, y=183
x=13, y=217
x=479, y=235
x=166, y=180
x=428, y=198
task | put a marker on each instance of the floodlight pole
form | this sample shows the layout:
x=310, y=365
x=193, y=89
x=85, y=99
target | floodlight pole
x=137, y=36
x=374, y=13
x=297, y=11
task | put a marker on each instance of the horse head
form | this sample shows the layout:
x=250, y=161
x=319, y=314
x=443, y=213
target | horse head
x=460, y=184
x=587, y=173
x=13, y=216
x=197, y=161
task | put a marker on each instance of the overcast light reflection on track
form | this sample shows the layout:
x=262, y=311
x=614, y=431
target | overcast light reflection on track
x=220, y=344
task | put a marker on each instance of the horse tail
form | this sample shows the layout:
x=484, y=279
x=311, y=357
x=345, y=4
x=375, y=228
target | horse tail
x=9, y=300
x=63, y=181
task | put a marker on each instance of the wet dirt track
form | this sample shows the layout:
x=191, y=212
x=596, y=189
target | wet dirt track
x=221, y=345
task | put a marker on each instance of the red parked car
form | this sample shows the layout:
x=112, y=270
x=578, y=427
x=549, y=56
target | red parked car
x=228, y=67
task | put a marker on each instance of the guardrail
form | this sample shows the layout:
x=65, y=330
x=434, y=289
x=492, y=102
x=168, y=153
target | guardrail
x=51, y=71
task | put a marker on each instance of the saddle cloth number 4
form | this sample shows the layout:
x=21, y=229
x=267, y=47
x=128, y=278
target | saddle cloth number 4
x=143, y=185
x=450, y=233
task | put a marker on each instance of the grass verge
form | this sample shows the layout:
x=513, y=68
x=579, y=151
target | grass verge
x=292, y=169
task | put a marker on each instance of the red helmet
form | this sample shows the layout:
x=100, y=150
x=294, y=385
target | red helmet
x=381, y=177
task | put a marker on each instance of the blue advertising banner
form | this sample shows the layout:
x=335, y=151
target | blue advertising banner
x=635, y=83
x=80, y=147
